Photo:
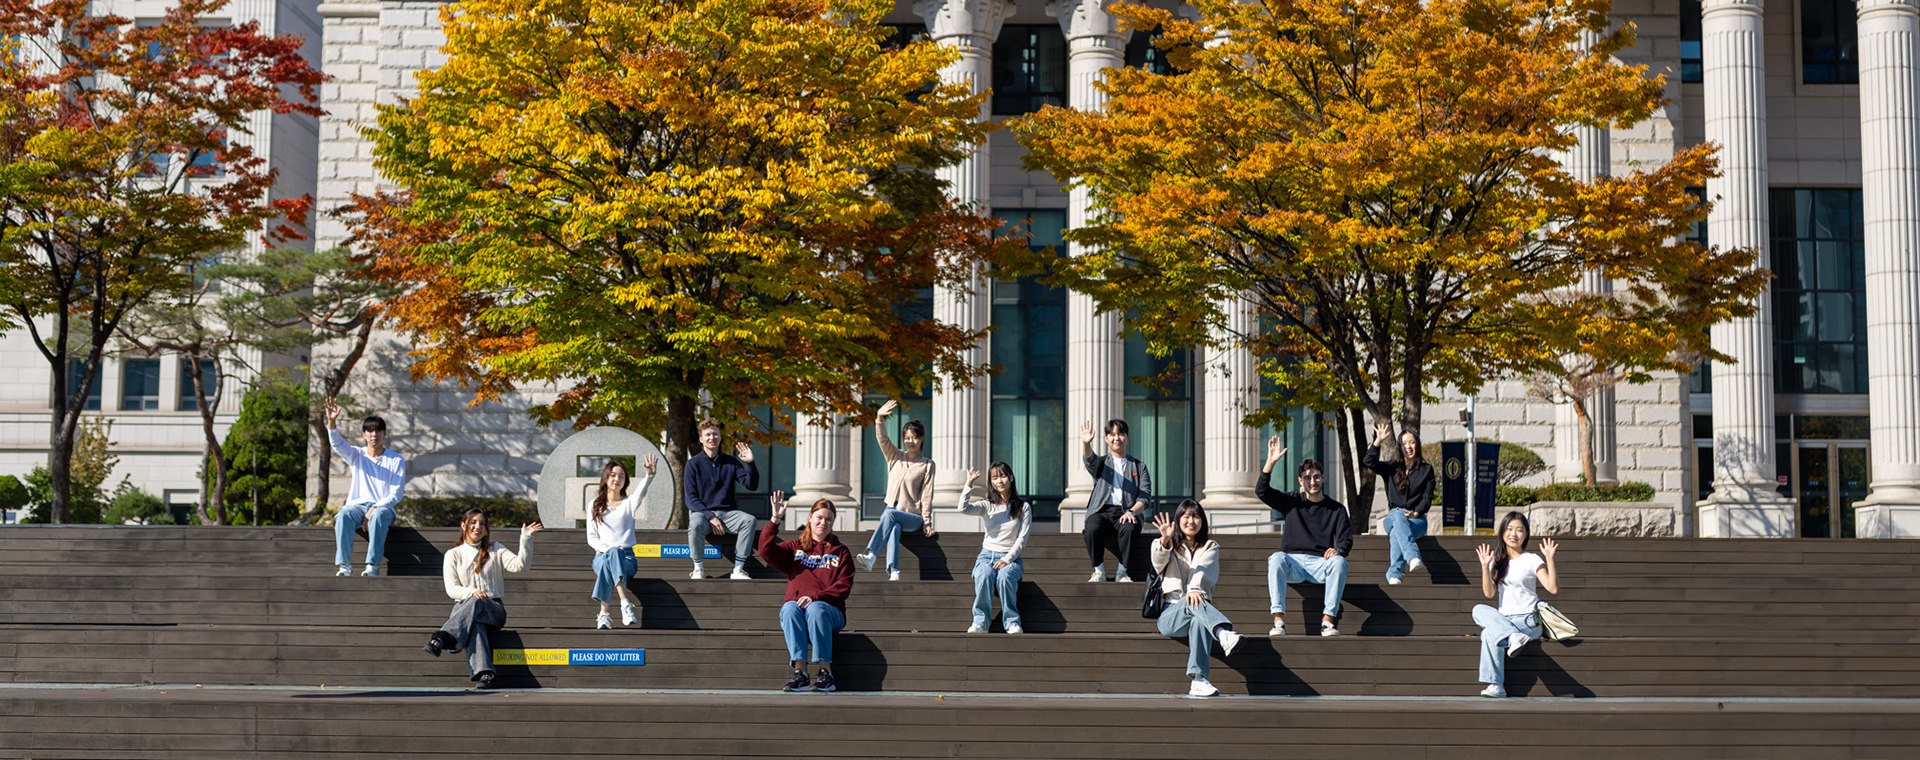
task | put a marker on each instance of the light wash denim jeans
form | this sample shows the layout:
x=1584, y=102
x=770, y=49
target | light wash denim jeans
x=814, y=624
x=1283, y=568
x=892, y=521
x=987, y=580
x=1402, y=532
x=1494, y=630
x=1197, y=626
x=378, y=519
x=612, y=568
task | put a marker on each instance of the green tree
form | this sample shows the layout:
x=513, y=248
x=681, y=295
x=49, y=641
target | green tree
x=104, y=199
x=137, y=507
x=690, y=207
x=1378, y=178
x=267, y=447
x=93, y=464
x=13, y=493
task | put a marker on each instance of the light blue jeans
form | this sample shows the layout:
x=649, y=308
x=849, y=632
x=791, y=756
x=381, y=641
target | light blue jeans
x=1494, y=630
x=1283, y=568
x=1197, y=626
x=612, y=568
x=378, y=519
x=1402, y=532
x=814, y=624
x=987, y=580
x=892, y=521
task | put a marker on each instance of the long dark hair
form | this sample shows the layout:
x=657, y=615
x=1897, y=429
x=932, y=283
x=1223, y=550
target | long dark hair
x=1500, y=557
x=486, y=536
x=1014, y=503
x=600, y=499
x=1406, y=464
x=1190, y=545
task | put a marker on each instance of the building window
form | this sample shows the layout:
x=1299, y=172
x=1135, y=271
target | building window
x=140, y=385
x=1029, y=69
x=1159, y=415
x=76, y=370
x=903, y=35
x=1029, y=397
x=1142, y=54
x=1690, y=67
x=1829, y=42
x=1819, y=291
x=208, y=378
x=1701, y=381
x=775, y=464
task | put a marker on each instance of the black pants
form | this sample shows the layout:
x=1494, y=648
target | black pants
x=1106, y=522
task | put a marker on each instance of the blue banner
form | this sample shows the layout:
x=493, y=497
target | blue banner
x=648, y=551
x=606, y=657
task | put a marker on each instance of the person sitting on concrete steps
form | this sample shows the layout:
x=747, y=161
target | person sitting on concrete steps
x=379, y=478
x=472, y=575
x=1121, y=488
x=1510, y=576
x=1189, y=564
x=819, y=572
x=610, y=533
x=909, y=491
x=710, y=477
x=1409, y=495
x=1008, y=522
x=1313, y=546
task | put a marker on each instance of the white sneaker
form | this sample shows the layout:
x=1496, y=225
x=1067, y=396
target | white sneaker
x=602, y=621
x=1228, y=640
x=627, y=616
x=1327, y=629
x=1098, y=577
x=372, y=571
x=740, y=574
x=1121, y=577
x=976, y=629
x=698, y=573
x=1015, y=629
x=1493, y=690
x=1515, y=642
x=344, y=572
x=1393, y=581
x=866, y=561
x=1201, y=688
x=893, y=575
x=1415, y=564
x=1279, y=628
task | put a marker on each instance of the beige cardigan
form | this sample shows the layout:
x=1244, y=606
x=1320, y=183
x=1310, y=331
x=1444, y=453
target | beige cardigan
x=909, y=479
x=456, y=570
x=1180, y=573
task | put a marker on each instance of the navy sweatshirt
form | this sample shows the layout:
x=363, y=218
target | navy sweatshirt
x=1312, y=526
x=709, y=483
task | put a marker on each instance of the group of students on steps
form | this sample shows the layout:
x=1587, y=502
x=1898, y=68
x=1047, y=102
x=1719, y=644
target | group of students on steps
x=1314, y=545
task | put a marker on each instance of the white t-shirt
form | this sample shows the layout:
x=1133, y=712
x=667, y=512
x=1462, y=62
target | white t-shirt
x=1116, y=481
x=615, y=528
x=1517, y=595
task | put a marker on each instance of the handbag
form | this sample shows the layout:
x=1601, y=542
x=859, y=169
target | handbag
x=1554, y=625
x=1155, y=601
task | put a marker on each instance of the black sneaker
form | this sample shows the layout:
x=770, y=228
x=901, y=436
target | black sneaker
x=824, y=682
x=484, y=680
x=799, y=682
x=437, y=643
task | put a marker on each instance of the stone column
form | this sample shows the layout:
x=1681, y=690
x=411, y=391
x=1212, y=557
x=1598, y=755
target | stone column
x=1233, y=450
x=1592, y=158
x=1744, y=502
x=958, y=424
x=820, y=470
x=1095, y=363
x=1890, y=158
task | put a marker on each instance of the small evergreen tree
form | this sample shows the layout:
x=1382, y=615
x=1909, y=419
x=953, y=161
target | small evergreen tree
x=267, y=454
x=137, y=507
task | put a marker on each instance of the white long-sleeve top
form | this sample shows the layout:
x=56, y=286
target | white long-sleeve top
x=456, y=570
x=1004, y=533
x=615, y=528
x=377, y=480
x=1181, y=573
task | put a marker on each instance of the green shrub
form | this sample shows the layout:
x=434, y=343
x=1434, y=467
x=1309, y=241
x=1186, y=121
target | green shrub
x=446, y=511
x=1514, y=496
x=1518, y=462
x=13, y=493
x=138, y=507
x=267, y=454
x=1581, y=491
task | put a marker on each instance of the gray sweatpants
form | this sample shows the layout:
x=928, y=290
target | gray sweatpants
x=471, y=621
x=739, y=523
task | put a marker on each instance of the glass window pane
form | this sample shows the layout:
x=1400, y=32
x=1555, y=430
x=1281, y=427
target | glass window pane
x=208, y=378
x=75, y=372
x=1820, y=291
x=140, y=385
x=1029, y=68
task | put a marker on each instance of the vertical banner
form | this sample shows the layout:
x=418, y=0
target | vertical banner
x=1453, y=484
x=1486, y=473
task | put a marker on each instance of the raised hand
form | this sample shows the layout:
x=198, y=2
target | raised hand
x=1486, y=556
x=532, y=528
x=652, y=465
x=1086, y=432
x=1164, y=524
x=1275, y=451
x=1548, y=547
x=887, y=408
x=973, y=475
x=333, y=412
x=779, y=506
x=1382, y=431
x=743, y=451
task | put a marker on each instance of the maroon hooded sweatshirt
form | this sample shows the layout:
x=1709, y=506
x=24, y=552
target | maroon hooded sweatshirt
x=825, y=574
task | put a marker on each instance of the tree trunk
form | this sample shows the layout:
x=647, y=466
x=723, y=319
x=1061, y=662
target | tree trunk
x=216, y=456
x=1586, y=439
x=1360, y=509
x=1348, y=479
x=334, y=382
x=680, y=444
